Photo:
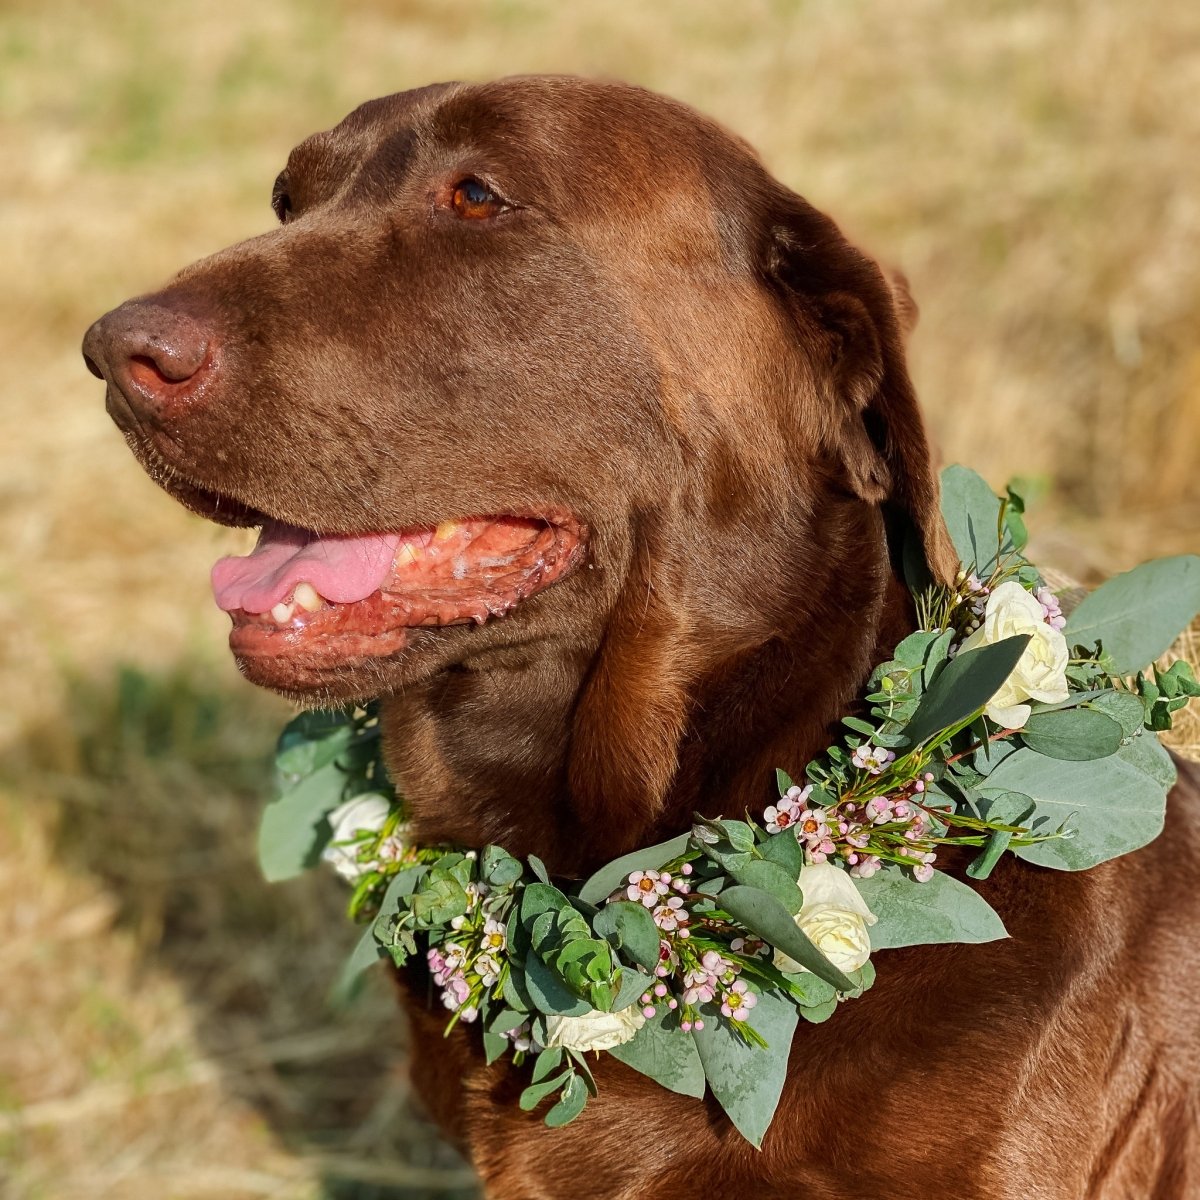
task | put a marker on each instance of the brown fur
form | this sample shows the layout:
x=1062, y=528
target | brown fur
x=669, y=344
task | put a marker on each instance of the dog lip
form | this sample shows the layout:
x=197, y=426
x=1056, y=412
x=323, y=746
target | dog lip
x=466, y=572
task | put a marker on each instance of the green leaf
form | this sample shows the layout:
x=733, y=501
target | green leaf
x=972, y=513
x=547, y=1061
x=548, y=991
x=630, y=927
x=633, y=984
x=498, y=867
x=540, y=898
x=784, y=850
x=574, y=1097
x=1137, y=615
x=747, y=1080
x=1149, y=755
x=913, y=914
x=966, y=684
x=1124, y=707
x=312, y=740
x=495, y=1046
x=439, y=900
x=1110, y=805
x=505, y=1020
x=770, y=877
x=911, y=652
x=538, y=867
x=783, y=781
x=765, y=916
x=664, y=1053
x=649, y=858
x=365, y=954
x=294, y=831
x=533, y=1095
x=1075, y=733
x=816, y=1013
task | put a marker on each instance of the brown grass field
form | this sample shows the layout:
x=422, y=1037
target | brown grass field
x=1034, y=169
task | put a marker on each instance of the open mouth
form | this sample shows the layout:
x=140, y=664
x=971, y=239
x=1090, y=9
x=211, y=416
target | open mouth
x=328, y=600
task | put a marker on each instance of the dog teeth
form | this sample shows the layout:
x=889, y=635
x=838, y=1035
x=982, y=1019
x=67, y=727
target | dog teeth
x=282, y=613
x=446, y=530
x=308, y=598
x=408, y=553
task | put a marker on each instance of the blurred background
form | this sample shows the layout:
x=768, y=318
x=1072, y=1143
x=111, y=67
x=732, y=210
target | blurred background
x=1033, y=168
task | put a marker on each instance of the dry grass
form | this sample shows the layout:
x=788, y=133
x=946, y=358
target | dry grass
x=1031, y=167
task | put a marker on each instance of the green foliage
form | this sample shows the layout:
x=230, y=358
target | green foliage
x=942, y=910
x=764, y=915
x=1074, y=733
x=1166, y=693
x=974, y=517
x=1110, y=806
x=746, y=1080
x=649, y=858
x=662, y=1052
x=1137, y=615
x=964, y=686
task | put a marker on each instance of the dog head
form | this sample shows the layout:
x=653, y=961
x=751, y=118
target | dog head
x=542, y=369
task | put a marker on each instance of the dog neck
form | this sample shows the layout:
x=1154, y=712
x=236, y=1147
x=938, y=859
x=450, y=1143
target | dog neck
x=579, y=755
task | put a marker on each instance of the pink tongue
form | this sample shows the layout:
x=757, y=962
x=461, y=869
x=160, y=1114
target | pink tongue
x=342, y=569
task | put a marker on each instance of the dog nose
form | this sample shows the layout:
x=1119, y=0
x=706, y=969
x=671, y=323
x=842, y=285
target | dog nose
x=155, y=360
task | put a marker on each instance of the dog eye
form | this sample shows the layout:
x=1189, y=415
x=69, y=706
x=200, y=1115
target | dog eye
x=475, y=201
x=281, y=202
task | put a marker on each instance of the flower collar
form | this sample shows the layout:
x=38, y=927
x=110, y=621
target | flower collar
x=695, y=960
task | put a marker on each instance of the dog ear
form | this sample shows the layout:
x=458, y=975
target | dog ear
x=849, y=316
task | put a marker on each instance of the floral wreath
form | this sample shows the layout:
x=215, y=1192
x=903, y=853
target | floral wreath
x=1001, y=724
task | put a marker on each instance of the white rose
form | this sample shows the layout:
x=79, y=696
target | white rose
x=834, y=916
x=1040, y=673
x=595, y=1030
x=364, y=813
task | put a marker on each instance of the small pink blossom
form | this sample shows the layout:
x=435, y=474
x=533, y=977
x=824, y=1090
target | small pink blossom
x=646, y=887
x=872, y=759
x=670, y=915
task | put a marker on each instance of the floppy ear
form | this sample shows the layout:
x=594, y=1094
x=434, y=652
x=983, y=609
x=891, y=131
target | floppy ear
x=848, y=314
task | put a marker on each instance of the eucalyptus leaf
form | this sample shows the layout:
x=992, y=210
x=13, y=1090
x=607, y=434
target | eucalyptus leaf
x=365, y=954
x=764, y=915
x=312, y=740
x=785, y=851
x=770, y=877
x=570, y=1105
x=966, y=684
x=816, y=1013
x=293, y=831
x=972, y=514
x=660, y=1051
x=1110, y=805
x=495, y=1045
x=747, y=1080
x=633, y=984
x=630, y=927
x=913, y=914
x=1074, y=733
x=612, y=875
x=549, y=993
x=1137, y=615
x=498, y=867
x=548, y=1060
x=533, y=1095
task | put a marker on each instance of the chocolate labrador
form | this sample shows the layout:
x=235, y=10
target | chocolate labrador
x=586, y=445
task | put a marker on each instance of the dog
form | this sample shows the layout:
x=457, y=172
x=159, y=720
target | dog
x=588, y=448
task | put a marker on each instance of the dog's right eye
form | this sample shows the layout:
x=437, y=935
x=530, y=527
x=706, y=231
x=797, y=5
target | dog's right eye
x=473, y=200
x=281, y=201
